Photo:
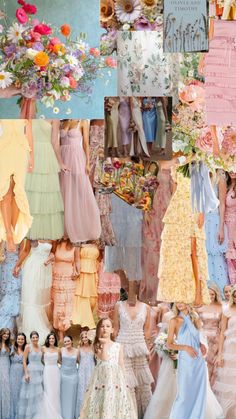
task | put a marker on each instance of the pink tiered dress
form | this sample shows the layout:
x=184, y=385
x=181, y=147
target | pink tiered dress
x=230, y=221
x=82, y=217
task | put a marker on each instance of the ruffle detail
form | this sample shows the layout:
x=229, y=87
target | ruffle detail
x=45, y=203
x=47, y=227
x=45, y=161
x=42, y=183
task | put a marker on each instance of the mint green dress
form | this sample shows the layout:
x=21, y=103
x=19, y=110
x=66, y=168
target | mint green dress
x=43, y=187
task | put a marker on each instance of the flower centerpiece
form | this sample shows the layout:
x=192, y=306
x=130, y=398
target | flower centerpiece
x=46, y=63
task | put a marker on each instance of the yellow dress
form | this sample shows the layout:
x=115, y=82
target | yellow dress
x=14, y=154
x=86, y=288
x=176, y=277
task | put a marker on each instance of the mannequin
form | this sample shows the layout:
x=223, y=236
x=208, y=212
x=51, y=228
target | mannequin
x=132, y=330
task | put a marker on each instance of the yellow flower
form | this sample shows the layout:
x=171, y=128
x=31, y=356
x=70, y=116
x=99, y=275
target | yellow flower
x=106, y=10
x=41, y=59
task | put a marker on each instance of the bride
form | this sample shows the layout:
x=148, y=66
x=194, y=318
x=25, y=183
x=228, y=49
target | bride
x=165, y=392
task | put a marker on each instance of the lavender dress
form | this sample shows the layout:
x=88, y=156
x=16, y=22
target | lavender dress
x=82, y=217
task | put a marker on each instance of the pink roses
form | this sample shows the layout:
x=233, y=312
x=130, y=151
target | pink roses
x=205, y=140
x=21, y=13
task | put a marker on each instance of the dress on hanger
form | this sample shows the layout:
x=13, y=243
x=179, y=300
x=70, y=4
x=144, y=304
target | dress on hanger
x=63, y=287
x=107, y=395
x=43, y=187
x=16, y=375
x=124, y=120
x=85, y=298
x=4, y=384
x=82, y=218
x=230, y=221
x=137, y=373
x=126, y=254
x=220, y=75
x=96, y=145
x=176, y=277
x=10, y=291
x=69, y=385
x=149, y=116
x=225, y=384
x=14, y=155
x=151, y=237
x=36, y=292
x=85, y=371
x=160, y=140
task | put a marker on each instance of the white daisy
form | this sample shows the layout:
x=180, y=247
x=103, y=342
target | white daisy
x=56, y=110
x=68, y=112
x=72, y=60
x=127, y=11
x=14, y=33
x=5, y=79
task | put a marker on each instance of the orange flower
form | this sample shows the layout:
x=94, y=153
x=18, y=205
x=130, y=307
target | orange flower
x=41, y=59
x=59, y=48
x=65, y=30
x=73, y=82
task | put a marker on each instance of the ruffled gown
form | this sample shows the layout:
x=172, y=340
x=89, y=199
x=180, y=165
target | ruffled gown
x=107, y=396
x=230, y=221
x=43, y=187
x=14, y=155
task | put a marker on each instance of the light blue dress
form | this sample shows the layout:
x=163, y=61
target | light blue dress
x=4, y=384
x=86, y=367
x=16, y=375
x=217, y=266
x=127, y=225
x=31, y=394
x=10, y=292
x=69, y=385
x=149, y=117
x=190, y=402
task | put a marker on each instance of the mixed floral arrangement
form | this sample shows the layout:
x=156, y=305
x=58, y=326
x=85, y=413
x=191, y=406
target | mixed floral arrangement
x=36, y=60
x=129, y=181
x=131, y=14
x=161, y=346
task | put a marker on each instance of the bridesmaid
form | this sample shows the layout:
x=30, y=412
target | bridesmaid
x=149, y=115
x=51, y=379
x=190, y=402
x=31, y=393
x=5, y=373
x=16, y=372
x=211, y=320
x=69, y=379
x=124, y=121
x=86, y=367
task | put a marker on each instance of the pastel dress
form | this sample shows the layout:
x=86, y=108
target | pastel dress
x=160, y=140
x=138, y=121
x=85, y=298
x=109, y=285
x=63, y=287
x=36, y=292
x=211, y=330
x=230, y=221
x=137, y=372
x=107, y=396
x=191, y=375
x=69, y=385
x=124, y=120
x=217, y=266
x=149, y=116
x=43, y=187
x=176, y=277
x=225, y=385
x=220, y=75
x=96, y=146
x=5, y=384
x=126, y=254
x=51, y=403
x=10, y=291
x=16, y=375
x=82, y=217
x=85, y=371
x=14, y=156
x=31, y=393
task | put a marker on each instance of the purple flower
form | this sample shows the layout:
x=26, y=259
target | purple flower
x=66, y=68
x=38, y=46
x=143, y=23
x=10, y=50
x=30, y=89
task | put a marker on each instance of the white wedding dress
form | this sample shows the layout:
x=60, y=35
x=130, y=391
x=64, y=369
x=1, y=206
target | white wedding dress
x=36, y=292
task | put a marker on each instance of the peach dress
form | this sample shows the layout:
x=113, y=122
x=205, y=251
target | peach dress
x=63, y=287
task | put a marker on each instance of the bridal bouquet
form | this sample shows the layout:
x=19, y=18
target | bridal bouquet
x=45, y=62
x=161, y=345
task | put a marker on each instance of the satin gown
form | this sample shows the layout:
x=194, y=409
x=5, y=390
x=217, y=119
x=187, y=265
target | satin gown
x=190, y=402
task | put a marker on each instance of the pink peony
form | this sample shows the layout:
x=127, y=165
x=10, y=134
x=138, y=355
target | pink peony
x=205, y=140
x=55, y=41
x=110, y=62
x=194, y=96
x=229, y=141
x=21, y=16
x=30, y=9
x=43, y=29
x=35, y=37
x=94, y=51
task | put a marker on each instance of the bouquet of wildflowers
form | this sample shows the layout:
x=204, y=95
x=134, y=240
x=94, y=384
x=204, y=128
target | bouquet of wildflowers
x=161, y=346
x=44, y=67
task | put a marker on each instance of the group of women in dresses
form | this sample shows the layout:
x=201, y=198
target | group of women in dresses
x=135, y=125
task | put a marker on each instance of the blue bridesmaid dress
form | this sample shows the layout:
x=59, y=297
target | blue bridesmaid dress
x=190, y=402
x=149, y=119
x=69, y=385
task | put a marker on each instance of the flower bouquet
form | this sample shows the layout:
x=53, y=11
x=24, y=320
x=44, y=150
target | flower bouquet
x=161, y=346
x=41, y=65
x=131, y=14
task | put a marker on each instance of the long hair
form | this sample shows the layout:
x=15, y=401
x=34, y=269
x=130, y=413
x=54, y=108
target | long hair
x=231, y=299
x=47, y=344
x=16, y=346
x=212, y=286
x=97, y=344
x=229, y=184
x=192, y=314
x=8, y=341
